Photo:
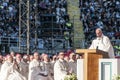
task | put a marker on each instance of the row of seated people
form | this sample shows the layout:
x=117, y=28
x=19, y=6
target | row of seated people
x=38, y=67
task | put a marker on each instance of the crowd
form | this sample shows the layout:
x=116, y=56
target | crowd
x=9, y=18
x=104, y=14
x=58, y=8
x=54, y=22
x=53, y=17
x=37, y=67
x=50, y=14
x=9, y=12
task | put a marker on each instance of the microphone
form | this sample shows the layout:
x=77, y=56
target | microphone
x=98, y=43
x=97, y=47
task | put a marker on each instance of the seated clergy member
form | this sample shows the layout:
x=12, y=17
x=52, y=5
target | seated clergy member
x=9, y=70
x=24, y=66
x=1, y=61
x=35, y=70
x=73, y=63
x=103, y=43
x=61, y=68
x=47, y=67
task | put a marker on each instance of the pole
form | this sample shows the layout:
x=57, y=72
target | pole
x=20, y=25
x=28, y=29
x=36, y=25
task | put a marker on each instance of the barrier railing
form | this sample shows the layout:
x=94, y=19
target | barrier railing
x=11, y=41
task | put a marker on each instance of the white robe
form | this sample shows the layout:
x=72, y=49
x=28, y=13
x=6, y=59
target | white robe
x=0, y=66
x=47, y=67
x=24, y=68
x=73, y=66
x=61, y=69
x=103, y=44
x=8, y=72
x=52, y=64
x=35, y=70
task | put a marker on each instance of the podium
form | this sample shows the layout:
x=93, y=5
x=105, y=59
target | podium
x=91, y=62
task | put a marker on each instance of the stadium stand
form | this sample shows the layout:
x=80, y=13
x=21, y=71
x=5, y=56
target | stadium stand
x=9, y=18
x=52, y=16
x=104, y=14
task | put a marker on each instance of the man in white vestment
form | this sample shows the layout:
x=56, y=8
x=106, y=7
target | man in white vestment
x=24, y=66
x=47, y=67
x=12, y=54
x=35, y=70
x=103, y=43
x=18, y=59
x=21, y=67
x=73, y=63
x=8, y=70
x=66, y=58
x=42, y=55
x=31, y=58
x=1, y=61
x=61, y=68
x=54, y=59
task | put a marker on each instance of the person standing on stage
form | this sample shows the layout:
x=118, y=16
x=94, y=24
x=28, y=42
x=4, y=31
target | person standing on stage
x=103, y=43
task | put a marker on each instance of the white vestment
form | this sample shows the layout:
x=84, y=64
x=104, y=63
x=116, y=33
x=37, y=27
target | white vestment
x=47, y=67
x=0, y=66
x=52, y=64
x=24, y=68
x=9, y=72
x=103, y=43
x=35, y=71
x=61, y=69
x=73, y=66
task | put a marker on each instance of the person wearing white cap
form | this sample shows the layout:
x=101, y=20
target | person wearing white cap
x=103, y=43
x=61, y=68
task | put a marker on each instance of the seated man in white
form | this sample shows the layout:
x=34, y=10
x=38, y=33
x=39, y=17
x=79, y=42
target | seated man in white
x=73, y=63
x=35, y=70
x=24, y=66
x=61, y=68
x=46, y=66
x=9, y=70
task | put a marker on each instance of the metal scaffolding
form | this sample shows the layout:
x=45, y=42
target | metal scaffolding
x=24, y=25
x=28, y=18
x=36, y=25
x=31, y=21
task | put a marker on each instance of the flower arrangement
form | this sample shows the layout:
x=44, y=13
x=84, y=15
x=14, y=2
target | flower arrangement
x=117, y=77
x=71, y=77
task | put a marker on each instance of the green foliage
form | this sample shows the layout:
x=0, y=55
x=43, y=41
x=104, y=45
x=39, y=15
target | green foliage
x=71, y=77
x=116, y=77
